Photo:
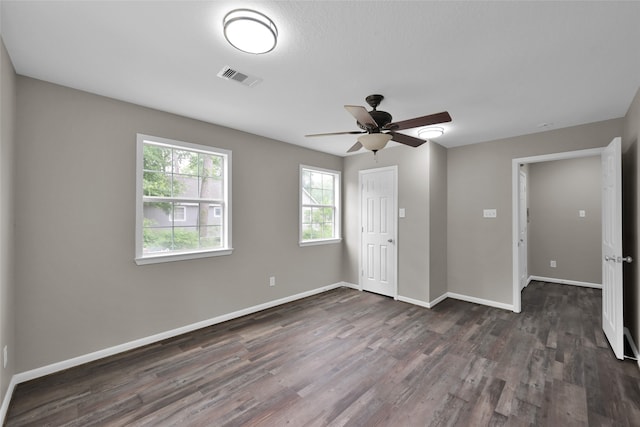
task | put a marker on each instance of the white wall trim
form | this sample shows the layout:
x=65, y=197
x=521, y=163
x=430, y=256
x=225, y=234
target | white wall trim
x=7, y=399
x=632, y=344
x=566, y=282
x=110, y=351
x=438, y=300
x=350, y=285
x=480, y=301
x=414, y=301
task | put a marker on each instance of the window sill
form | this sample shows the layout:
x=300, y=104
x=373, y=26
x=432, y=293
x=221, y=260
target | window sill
x=156, y=259
x=319, y=242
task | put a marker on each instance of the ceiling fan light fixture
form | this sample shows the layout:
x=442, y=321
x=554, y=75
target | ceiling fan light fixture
x=430, y=132
x=250, y=31
x=374, y=141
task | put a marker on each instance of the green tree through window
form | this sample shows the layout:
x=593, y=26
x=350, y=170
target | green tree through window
x=184, y=196
x=319, y=197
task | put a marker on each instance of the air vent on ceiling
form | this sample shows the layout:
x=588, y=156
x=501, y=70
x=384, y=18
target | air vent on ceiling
x=229, y=73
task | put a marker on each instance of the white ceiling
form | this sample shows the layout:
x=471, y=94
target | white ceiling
x=501, y=69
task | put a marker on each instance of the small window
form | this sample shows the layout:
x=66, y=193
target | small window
x=319, y=206
x=183, y=200
x=179, y=213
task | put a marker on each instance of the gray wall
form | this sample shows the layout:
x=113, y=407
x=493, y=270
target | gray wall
x=437, y=221
x=479, y=177
x=422, y=234
x=630, y=207
x=79, y=289
x=557, y=191
x=7, y=283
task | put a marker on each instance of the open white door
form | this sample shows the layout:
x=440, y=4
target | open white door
x=612, y=247
x=379, y=220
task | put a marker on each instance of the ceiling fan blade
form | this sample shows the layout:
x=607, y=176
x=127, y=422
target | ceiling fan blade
x=431, y=119
x=362, y=116
x=354, y=147
x=353, y=132
x=407, y=140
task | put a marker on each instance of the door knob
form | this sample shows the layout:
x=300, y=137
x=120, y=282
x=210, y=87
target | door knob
x=390, y=240
x=626, y=259
x=608, y=258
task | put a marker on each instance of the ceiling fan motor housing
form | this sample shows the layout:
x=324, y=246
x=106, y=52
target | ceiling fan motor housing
x=382, y=119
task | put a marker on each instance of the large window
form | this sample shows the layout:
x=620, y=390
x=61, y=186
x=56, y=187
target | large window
x=183, y=200
x=319, y=206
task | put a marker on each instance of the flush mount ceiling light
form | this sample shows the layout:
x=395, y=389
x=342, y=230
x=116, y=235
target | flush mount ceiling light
x=430, y=132
x=250, y=31
x=374, y=141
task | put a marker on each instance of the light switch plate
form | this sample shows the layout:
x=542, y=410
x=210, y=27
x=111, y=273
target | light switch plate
x=582, y=213
x=490, y=213
x=401, y=213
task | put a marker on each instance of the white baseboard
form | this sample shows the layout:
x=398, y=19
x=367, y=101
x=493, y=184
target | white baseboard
x=350, y=285
x=413, y=301
x=566, y=282
x=7, y=399
x=458, y=297
x=110, y=351
x=438, y=300
x=632, y=344
x=481, y=301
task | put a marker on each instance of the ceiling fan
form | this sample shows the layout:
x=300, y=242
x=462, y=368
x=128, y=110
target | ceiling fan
x=378, y=128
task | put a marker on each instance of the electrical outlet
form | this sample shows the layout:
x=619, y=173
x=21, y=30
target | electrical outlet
x=552, y=263
x=272, y=281
x=4, y=356
x=490, y=213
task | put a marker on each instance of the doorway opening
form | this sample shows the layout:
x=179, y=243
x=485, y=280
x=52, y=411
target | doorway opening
x=519, y=218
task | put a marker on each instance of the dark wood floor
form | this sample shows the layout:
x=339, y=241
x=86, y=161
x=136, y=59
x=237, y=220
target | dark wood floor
x=349, y=358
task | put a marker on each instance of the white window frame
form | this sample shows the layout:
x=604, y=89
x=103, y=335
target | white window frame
x=173, y=215
x=227, y=248
x=337, y=206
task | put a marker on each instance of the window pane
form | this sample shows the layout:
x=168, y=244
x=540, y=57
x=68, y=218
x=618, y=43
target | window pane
x=327, y=182
x=316, y=196
x=156, y=184
x=327, y=197
x=185, y=162
x=316, y=180
x=185, y=186
x=306, y=215
x=327, y=231
x=210, y=165
x=306, y=180
x=157, y=158
x=209, y=214
x=185, y=238
x=156, y=214
x=157, y=240
x=318, y=188
x=306, y=231
x=210, y=237
x=328, y=215
x=187, y=173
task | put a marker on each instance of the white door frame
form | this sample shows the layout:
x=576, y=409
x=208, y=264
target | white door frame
x=361, y=172
x=523, y=242
x=515, y=214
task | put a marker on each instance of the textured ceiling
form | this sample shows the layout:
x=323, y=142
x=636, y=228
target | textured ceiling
x=500, y=68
